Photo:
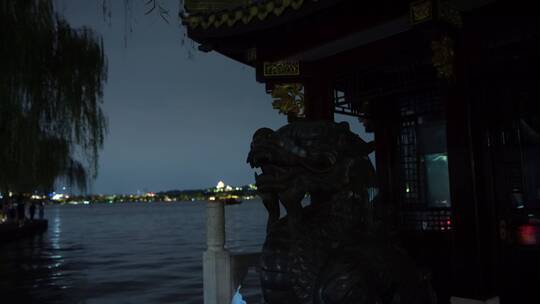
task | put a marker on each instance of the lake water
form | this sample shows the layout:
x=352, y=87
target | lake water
x=124, y=253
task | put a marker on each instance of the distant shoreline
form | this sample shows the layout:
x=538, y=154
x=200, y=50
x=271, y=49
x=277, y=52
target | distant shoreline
x=105, y=202
x=221, y=191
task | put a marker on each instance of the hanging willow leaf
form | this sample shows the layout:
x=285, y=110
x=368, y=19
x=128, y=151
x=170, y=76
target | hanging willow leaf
x=51, y=92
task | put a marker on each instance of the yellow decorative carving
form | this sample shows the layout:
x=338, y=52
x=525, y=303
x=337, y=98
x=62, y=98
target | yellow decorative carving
x=201, y=6
x=421, y=11
x=272, y=69
x=288, y=99
x=444, y=57
x=237, y=11
x=440, y=10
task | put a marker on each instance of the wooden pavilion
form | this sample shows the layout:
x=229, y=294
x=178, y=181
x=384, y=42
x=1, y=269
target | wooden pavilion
x=448, y=89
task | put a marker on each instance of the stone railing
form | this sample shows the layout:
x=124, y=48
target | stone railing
x=222, y=270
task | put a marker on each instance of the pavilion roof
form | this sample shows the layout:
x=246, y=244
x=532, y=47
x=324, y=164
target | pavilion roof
x=242, y=14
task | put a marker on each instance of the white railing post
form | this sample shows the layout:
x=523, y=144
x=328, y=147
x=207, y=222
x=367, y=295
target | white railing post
x=216, y=260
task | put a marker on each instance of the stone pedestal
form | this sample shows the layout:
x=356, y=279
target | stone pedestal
x=216, y=260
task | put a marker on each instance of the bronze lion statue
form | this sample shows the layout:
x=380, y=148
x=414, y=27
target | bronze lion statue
x=334, y=250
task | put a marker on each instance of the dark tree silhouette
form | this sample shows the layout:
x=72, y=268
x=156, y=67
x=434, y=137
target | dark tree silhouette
x=51, y=89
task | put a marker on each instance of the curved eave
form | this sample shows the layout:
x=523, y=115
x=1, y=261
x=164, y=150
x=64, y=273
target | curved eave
x=315, y=24
x=243, y=15
x=252, y=18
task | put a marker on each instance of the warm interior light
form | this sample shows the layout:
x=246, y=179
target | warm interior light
x=528, y=234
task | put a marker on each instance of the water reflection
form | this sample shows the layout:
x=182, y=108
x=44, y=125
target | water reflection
x=55, y=228
x=138, y=253
x=30, y=259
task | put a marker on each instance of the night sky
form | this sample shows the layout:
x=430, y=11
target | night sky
x=175, y=121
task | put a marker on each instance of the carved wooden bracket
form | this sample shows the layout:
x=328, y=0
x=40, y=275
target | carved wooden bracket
x=435, y=10
x=444, y=58
x=288, y=99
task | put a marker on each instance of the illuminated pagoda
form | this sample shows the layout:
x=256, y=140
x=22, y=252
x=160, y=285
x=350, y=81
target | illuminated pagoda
x=449, y=90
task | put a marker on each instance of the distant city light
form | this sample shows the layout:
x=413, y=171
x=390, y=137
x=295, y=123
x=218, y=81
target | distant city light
x=221, y=191
x=57, y=196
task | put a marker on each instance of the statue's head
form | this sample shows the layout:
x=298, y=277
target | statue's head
x=311, y=157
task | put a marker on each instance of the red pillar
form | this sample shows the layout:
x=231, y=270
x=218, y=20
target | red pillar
x=319, y=98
